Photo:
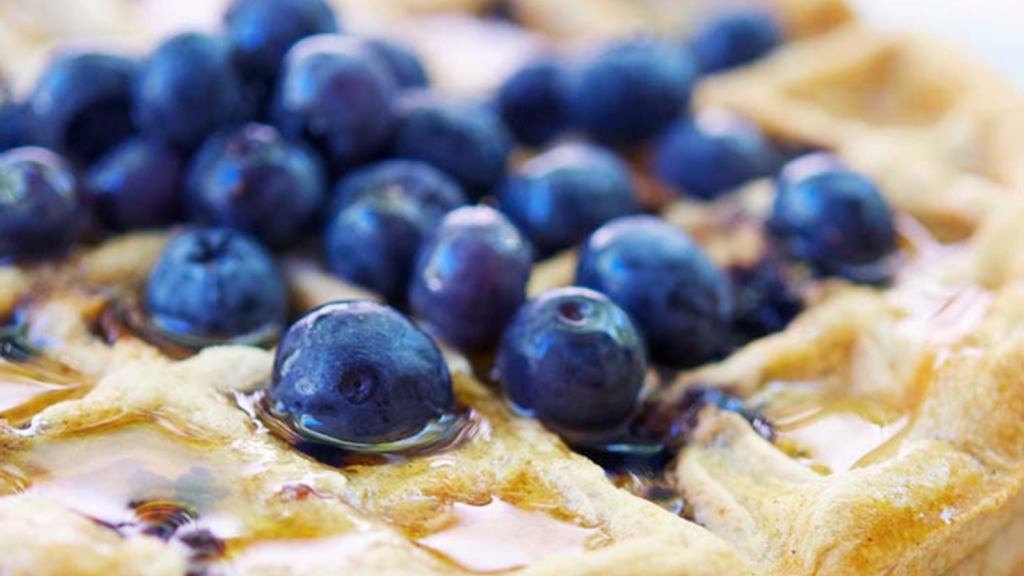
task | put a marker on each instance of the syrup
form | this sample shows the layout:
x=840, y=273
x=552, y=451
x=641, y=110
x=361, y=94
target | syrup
x=30, y=382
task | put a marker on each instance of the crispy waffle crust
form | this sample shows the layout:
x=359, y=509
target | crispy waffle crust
x=942, y=351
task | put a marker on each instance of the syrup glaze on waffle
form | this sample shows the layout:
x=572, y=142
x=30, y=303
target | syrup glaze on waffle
x=895, y=445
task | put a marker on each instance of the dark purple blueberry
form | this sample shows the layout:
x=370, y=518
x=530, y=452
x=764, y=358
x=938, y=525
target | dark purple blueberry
x=713, y=153
x=400, y=61
x=735, y=38
x=262, y=31
x=632, y=90
x=359, y=372
x=137, y=184
x=693, y=402
x=564, y=194
x=187, y=89
x=465, y=139
x=573, y=358
x=81, y=105
x=335, y=93
x=41, y=208
x=833, y=219
x=215, y=283
x=470, y=277
x=15, y=124
x=254, y=180
x=765, y=300
x=433, y=189
x=534, y=102
x=677, y=296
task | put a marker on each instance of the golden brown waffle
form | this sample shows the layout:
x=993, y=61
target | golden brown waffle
x=899, y=412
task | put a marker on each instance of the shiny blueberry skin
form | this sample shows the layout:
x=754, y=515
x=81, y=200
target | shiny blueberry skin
x=735, y=38
x=187, y=89
x=574, y=358
x=679, y=299
x=215, y=283
x=470, y=277
x=359, y=372
x=81, y=105
x=632, y=90
x=433, y=189
x=564, y=194
x=137, y=184
x=465, y=139
x=534, y=102
x=835, y=220
x=400, y=61
x=262, y=31
x=713, y=153
x=335, y=93
x=41, y=208
x=254, y=180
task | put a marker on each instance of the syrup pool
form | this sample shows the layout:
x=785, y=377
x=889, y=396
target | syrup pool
x=30, y=382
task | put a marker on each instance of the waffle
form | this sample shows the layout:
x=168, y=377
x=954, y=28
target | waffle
x=897, y=444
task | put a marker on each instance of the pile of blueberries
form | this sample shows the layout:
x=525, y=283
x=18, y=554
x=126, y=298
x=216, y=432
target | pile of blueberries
x=241, y=133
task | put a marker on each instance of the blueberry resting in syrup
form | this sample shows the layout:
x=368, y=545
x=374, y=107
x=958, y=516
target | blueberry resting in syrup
x=465, y=139
x=470, y=277
x=765, y=300
x=713, y=153
x=381, y=216
x=534, y=101
x=679, y=299
x=559, y=197
x=41, y=208
x=400, y=61
x=833, y=219
x=335, y=93
x=137, y=184
x=735, y=38
x=575, y=359
x=215, y=283
x=187, y=89
x=254, y=180
x=632, y=90
x=81, y=105
x=359, y=372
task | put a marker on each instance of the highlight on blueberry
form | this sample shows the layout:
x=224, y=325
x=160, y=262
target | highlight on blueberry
x=679, y=299
x=534, y=101
x=41, y=207
x=359, y=372
x=632, y=90
x=734, y=38
x=712, y=153
x=336, y=94
x=252, y=179
x=433, y=189
x=137, y=184
x=187, y=89
x=400, y=61
x=573, y=358
x=560, y=196
x=833, y=219
x=81, y=104
x=463, y=138
x=215, y=284
x=470, y=277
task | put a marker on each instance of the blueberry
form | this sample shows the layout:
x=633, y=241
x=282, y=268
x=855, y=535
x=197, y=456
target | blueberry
x=254, y=180
x=81, y=105
x=713, y=153
x=575, y=359
x=359, y=372
x=465, y=139
x=137, y=184
x=187, y=89
x=428, y=186
x=765, y=300
x=15, y=124
x=735, y=38
x=677, y=296
x=534, y=102
x=41, y=208
x=215, y=283
x=562, y=195
x=401, y=62
x=470, y=277
x=262, y=31
x=335, y=93
x=833, y=219
x=632, y=90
